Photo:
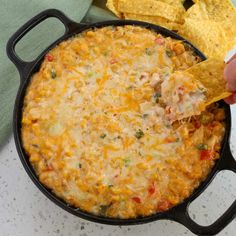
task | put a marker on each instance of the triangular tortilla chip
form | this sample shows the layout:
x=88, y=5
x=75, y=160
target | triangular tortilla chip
x=214, y=39
x=210, y=74
x=152, y=8
x=213, y=10
x=177, y=3
x=154, y=20
x=113, y=6
x=210, y=25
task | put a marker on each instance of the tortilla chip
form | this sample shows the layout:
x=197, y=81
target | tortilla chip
x=209, y=24
x=214, y=10
x=210, y=74
x=157, y=20
x=177, y=3
x=214, y=39
x=113, y=6
x=152, y=8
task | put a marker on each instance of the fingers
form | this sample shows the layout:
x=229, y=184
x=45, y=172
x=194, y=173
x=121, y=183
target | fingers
x=231, y=99
x=230, y=75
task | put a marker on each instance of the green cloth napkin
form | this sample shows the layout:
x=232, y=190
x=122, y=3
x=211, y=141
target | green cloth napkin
x=14, y=14
x=96, y=14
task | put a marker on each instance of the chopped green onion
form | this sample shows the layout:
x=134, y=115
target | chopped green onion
x=169, y=53
x=203, y=90
x=189, y=107
x=53, y=74
x=110, y=185
x=166, y=75
x=177, y=139
x=103, y=209
x=103, y=135
x=157, y=96
x=140, y=154
x=130, y=87
x=35, y=145
x=139, y=134
x=105, y=54
x=168, y=126
x=80, y=165
x=148, y=51
x=145, y=115
x=206, y=118
x=202, y=146
x=90, y=73
x=127, y=162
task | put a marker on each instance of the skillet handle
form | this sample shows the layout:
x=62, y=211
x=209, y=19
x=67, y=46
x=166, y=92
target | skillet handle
x=23, y=66
x=180, y=213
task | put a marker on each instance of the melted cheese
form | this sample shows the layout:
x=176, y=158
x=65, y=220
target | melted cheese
x=95, y=133
x=183, y=96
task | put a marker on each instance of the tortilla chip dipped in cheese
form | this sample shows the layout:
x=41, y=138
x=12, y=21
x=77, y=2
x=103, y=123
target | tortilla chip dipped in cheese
x=210, y=74
x=183, y=95
x=187, y=93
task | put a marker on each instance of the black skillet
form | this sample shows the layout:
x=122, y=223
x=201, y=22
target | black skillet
x=178, y=213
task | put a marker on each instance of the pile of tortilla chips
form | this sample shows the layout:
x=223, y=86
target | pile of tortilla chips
x=167, y=13
x=209, y=24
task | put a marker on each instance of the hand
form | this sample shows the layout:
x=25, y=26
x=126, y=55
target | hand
x=230, y=77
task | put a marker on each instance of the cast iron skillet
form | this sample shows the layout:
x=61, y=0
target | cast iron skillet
x=26, y=69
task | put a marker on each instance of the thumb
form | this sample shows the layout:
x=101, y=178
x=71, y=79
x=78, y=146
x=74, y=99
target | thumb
x=231, y=99
x=230, y=75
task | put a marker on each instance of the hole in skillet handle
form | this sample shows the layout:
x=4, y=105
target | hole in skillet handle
x=23, y=66
x=39, y=38
x=181, y=215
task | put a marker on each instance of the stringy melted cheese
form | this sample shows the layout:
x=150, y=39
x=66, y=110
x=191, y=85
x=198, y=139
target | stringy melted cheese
x=183, y=96
x=96, y=134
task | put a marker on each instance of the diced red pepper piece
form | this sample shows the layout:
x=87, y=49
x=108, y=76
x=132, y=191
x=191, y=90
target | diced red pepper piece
x=163, y=205
x=152, y=189
x=113, y=61
x=167, y=109
x=136, y=199
x=212, y=126
x=50, y=167
x=49, y=57
x=160, y=41
x=142, y=77
x=205, y=155
x=197, y=124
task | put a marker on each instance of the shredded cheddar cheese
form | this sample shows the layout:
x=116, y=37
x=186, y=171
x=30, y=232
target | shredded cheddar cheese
x=93, y=124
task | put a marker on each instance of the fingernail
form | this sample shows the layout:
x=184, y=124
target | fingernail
x=227, y=86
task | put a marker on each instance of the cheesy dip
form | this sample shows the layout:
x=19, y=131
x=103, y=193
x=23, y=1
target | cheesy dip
x=183, y=96
x=94, y=124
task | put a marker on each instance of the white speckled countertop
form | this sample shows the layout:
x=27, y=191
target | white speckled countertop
x=25, y=211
